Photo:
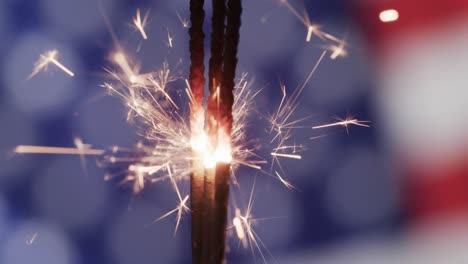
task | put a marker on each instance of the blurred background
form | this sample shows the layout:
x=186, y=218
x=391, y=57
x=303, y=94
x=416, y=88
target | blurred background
x=396, y=192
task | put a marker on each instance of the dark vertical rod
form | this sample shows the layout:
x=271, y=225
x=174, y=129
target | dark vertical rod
x=197, y=83
x=215, y=73
x=234, y=12
x=225, y=118
x=210, y=189
x=197, y=52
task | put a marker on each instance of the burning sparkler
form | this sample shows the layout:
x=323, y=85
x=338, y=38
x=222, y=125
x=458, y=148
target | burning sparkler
x=208, y=145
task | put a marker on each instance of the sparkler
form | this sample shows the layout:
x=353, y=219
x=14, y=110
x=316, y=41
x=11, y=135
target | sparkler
x=209, y=145
x=222, y=67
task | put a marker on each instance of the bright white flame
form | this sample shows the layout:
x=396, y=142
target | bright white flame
x=211, y=155
x=389, y=15
x=206, y=150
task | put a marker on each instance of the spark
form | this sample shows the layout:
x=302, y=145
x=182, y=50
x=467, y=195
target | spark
x=32, y=239
x=139, y=174
x=170, y=39
x=82, y=147
x=237, y=222
x=45, y=59
x=310, y=30
x=344, y=122
x=317, y=137
x=181, y=208
x=121, y=60
x=303, y=18
x=291, y=156
x=283, y=181
x=185, y=22
x=282, y=123
x=389, y=15
x=281, y=120
x=140, y=24
x=338, y=50
x=27, y=149
x=243, y=225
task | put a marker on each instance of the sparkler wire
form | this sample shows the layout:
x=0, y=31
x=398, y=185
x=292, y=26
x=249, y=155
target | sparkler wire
x=234, y=11
x=215, y=73
x=196, y=83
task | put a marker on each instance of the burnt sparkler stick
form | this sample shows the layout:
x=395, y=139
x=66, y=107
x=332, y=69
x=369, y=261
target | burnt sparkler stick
x=215, y=80
x=215, y=73
x=225, y=119
x=230, y=61
x=197, y=81
x=210, y=187
x=197, y=54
